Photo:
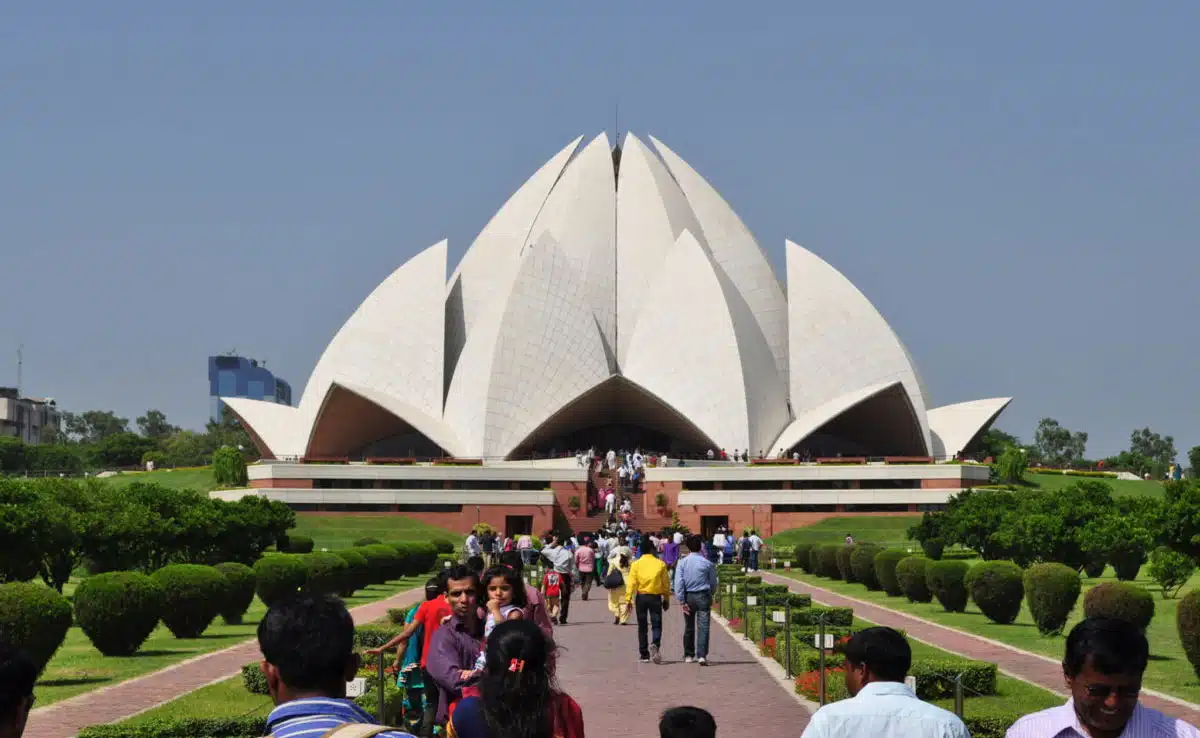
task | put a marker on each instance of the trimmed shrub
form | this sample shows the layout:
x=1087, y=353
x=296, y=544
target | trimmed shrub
x=443, y=546
x=239, y=591
x=1120, y=600
x=996, y=588
x=382, y=560
x=862, y=563
x=298, y=545
x=118, y=611
x=375, y=635
x=358, y=572
x=278, y=577
x=34, y=618
x=802, y=552
x=935, y=677
x=327, y=573
x=368, y=541
x=1051, y=591
x=910, y=575
x=845, y=569
x=933, y=548
x=834, y=616
x=253, y=678
x=407, y=559
x=1127, y=564
x=229, y=467
x=239, y=727
x=1094, y=568
x=1171, y=570
x=885, y=570
x=424, y=556
x=827, y=561
x=945, y=581
x=1187, y=622
x=192, y=596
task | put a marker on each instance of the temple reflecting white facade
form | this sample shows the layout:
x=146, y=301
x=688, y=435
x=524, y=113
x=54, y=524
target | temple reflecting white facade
x=615, y=277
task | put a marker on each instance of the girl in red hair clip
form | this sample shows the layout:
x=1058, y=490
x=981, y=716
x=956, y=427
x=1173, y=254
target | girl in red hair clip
x=517, y=696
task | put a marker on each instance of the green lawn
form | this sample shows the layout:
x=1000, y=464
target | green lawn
x=1120, y=487
x=225, y=699
x=78, y=667
x=890, y=530
x=340, y=531
x=199, y=479
x=1169, y=670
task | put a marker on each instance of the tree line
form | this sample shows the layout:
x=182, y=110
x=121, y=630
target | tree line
x=100, y=439
x=1055, y=445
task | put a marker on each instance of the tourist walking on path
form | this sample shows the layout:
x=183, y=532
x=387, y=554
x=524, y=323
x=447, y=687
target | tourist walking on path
x=670, y=552
x=695, y=582
x=1103, y=667
x=585, y=564
x=525, y=548
x=648, y=589
x=307, y=643
x=517, y=695
x=883, y=706
x=473, y=546
x=616, y=581
x=455, y=645
x=17, y=676
x=562, y=562
x=756, y=545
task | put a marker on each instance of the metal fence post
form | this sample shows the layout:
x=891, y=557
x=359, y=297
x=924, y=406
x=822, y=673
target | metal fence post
x=382, y=718
x=762, y=636
x=787, y=636
x=746, y=614
x=958, y=695
x=821, y=656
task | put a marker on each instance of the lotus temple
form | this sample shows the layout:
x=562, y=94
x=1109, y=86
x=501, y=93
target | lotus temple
x=615, y=301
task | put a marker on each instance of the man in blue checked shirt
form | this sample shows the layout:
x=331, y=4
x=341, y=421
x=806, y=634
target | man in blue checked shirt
x=695, y=583
x=307, y=643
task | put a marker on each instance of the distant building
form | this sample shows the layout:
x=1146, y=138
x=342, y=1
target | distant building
x=32, y=419
x=237, y=376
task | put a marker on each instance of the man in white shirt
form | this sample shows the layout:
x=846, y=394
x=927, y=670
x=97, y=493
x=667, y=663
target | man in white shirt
x=719, y=545
x=755, y=546
x=472, y=545
x=637, y=459
x=1103, y=668
x=610, y=502
x=621, y=477
x=678, y=538
x=563, y=561
x=877, y=660
x=710, y=454
x=611, y=458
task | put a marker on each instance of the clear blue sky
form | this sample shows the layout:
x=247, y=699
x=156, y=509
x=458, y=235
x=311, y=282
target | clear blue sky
x=1014, y=185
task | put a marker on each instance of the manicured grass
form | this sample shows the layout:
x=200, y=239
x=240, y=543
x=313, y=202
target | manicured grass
x=340, y=531
x=1169, y=670
x=1120, y=487
x=887, y=530
x=199, y=479
x=227, y=699
x=78, y=667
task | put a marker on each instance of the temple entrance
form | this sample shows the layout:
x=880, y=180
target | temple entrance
x=710, y=523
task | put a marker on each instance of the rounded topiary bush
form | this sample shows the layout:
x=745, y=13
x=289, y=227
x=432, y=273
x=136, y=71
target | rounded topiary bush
x=358, y=573
x=327, y=573
x=407, y=559
x=801, y=553
x=33, y=618
x=862, y=563
x=827, y=564
x=278, y=577
x=885, y=570
x=933, y=548
x=192, y=597
x=996, y=588
x=118, y=611
x=239, y=591
x=945, y=580
x=1127, y=564
x=443, y=546
x=910, y=574
x=298, y=545
x=845, y=570
x=814, y=560
x=1120, y=600
x=367, y=541
x=382, y=560
x=424, y=557
x=1187, y=622
x=1094, y=568
x=1051, y=591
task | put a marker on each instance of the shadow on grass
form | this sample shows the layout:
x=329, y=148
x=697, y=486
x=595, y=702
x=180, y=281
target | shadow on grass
x=159, y=652
x=73, y=681
x=1157, y=657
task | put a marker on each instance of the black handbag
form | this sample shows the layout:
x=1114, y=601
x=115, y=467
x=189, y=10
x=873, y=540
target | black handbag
x=614, y=580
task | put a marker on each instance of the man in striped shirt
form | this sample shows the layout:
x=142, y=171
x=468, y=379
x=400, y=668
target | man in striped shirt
x=307, y=643
x=1103, y=668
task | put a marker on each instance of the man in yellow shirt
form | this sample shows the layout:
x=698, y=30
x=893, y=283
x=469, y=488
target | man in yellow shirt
x=649, y=589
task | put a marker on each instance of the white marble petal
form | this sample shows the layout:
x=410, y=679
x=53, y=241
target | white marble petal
x=954, y=426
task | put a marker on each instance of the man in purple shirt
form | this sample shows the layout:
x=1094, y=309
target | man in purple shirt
x=455, y=645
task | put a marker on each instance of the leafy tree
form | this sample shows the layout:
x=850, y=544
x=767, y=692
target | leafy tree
x=12, y=454
x=94, y=426
x=1047, y=526
x=993, y=442
x=1148, y=443
x=1136, y=463
x=1194, y=461
x=187, y=448
x=229, y=467
x=61, y=458
x=229, y=432
x=121, y=449
x=973, y=518
x=1012, y=464
x=1170, y=570
x=154, y=425
x=1125, y=535
x=1181, y=516
x=1058, y=445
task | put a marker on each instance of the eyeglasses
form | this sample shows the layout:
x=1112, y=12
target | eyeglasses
x=1102, y=691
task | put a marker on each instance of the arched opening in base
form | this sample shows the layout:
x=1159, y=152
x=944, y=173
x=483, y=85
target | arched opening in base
x=616, y=414
x=883, y=425
x=352, y=426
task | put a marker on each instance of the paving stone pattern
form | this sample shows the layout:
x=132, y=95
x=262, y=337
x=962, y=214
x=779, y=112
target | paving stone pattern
x=1030, y=667
x=110, y=704
x=619, y=696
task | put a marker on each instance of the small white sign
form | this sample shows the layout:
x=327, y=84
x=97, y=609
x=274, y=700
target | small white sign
x=778, y=617
x=751, y=601
x=445, y=564
x=773, y=562
x=911, y=682
x=828, y=641
x=356, y=687
x=734, y=588
x=787, y=565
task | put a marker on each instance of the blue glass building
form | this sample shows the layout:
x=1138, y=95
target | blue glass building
x=237, y=376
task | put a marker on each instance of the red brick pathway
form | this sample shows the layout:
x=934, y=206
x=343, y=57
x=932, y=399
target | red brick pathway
x=1033, y=668
x=619, y=696
x=66, y=718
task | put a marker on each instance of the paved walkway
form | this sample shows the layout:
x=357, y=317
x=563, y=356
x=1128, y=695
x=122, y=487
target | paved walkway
x=1034, y=668
x=66, y=718
x=619, y=696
